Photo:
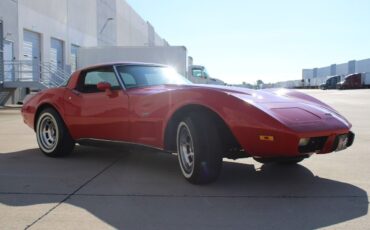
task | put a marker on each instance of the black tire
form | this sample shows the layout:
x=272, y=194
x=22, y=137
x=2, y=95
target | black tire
x=291, y=161
x=263, y=160
x=197, y=135
x=52, y=135
x=282, y=161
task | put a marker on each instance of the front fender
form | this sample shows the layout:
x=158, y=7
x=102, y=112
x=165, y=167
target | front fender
x=238, y=114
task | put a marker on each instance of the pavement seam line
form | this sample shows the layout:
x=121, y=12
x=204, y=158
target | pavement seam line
x=190, y=196
x=73, y=193
x=225, y=196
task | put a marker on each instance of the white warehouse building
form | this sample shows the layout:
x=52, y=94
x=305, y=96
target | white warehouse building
x=45, y=35
x=316, y=76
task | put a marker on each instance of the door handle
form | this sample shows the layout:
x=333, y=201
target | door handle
x=75, y=92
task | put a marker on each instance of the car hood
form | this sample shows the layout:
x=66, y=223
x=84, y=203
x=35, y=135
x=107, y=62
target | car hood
x=262, y=96
x=290, y=107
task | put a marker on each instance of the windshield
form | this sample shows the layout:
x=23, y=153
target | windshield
x=134, y=76
x=205, y=72
x=200, y=72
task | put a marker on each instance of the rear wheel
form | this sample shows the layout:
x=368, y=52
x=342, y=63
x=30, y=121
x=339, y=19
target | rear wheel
x=291, y=161
x=263, y=160
x=52, y=135
x=199, y=149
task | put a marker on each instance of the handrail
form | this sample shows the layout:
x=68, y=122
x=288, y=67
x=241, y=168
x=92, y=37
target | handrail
x=46, y=73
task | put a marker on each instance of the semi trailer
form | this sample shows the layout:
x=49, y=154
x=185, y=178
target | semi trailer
x=355, y=81
x=331, y=82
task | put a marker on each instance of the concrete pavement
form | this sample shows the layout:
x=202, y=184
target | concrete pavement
x=141, y=189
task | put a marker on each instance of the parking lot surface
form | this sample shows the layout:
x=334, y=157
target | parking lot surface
x=135, y=188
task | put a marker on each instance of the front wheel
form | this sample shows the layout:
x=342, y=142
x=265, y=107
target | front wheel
x=52, y=135
x=199, y=149
x=291, y=161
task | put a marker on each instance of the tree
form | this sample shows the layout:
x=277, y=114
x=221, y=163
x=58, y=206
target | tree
x=260, y=82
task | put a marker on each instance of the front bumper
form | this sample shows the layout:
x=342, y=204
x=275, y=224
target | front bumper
x=287, y=144
x=337, y=142
x=327, y=144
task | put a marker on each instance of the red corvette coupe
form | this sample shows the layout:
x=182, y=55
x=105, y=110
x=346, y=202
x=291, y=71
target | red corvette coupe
x=152, y=105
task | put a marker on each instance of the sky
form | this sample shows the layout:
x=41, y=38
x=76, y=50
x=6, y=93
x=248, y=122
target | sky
x=246, y=40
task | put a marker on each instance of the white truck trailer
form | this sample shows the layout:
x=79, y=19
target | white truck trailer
x=175, y=56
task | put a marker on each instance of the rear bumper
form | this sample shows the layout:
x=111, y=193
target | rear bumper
x=28, y=116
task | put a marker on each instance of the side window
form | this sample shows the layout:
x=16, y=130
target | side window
x=197, y=72
x=88, y=83
x=129, y=80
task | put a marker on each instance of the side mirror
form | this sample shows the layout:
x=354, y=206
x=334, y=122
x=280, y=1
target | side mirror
x=104, y=86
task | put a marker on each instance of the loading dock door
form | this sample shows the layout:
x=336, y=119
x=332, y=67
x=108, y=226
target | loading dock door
x=74, y=50
x=56, y=60
x=56, y=53
x=32, y=56
x=8, y=58
x=1, y=53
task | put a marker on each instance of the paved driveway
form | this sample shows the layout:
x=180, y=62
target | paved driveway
x=135, y=188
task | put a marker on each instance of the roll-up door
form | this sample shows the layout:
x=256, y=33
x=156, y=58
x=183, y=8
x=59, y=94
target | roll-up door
x=56, y=53
x=74, y=50
x=1, y=53
x=32, y=56
x=8, y=58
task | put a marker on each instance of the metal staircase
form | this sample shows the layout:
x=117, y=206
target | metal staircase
x=34, y=75
x=30, y=74
x=4, y=95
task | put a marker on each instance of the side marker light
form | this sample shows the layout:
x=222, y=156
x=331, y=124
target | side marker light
x=266, y=138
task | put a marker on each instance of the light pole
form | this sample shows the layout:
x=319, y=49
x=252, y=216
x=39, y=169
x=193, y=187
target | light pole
x=105, y=24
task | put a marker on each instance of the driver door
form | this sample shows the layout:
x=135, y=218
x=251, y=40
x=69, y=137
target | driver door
x=97, y=114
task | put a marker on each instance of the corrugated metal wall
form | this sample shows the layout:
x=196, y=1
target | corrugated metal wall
x=363, y=66
x=1, y=53
x=319, y=75
x=106, y=22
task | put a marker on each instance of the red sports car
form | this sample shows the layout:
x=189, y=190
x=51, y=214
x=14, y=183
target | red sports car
x=152, y=105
